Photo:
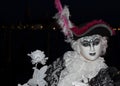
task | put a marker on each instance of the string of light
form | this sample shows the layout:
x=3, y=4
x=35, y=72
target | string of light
x=35, y=26
x=28, y=26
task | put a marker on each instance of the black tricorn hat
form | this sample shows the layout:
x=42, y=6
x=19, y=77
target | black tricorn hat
x=95, y=27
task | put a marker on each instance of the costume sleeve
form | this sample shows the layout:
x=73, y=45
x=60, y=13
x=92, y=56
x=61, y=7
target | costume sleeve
x=54, y=71
x=115, y=76
x=106, y=77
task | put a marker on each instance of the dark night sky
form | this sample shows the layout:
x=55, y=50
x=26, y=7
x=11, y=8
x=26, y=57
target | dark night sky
x=14, y=11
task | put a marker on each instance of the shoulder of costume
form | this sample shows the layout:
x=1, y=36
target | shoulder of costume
x=115, y=75
x=102, y=79
x=69, y=54
x=109, y=76
x=112, y=71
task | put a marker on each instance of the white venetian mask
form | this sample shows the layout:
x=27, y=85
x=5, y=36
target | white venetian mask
x=90, y=47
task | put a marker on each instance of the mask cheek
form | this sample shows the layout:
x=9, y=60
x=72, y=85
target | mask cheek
x=84, y=51
x=98, y=50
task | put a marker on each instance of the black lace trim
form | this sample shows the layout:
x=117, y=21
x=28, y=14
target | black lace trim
x=106, y=77
x=54, y=71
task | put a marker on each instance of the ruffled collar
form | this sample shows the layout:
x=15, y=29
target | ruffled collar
x=84, y=67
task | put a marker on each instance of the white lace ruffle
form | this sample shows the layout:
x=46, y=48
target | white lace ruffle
x=78, y=68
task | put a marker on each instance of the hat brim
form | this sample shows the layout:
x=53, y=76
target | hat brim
x=94, y=27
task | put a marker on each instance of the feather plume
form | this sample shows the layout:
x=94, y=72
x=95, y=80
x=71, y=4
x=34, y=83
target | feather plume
x=63, y=19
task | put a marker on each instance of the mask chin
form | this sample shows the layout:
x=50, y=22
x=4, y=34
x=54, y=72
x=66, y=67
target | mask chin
x=89, y=58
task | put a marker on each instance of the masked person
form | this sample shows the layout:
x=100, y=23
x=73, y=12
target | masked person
x=84, y=66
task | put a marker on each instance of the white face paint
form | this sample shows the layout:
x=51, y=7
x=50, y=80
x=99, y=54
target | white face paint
x=90, y=47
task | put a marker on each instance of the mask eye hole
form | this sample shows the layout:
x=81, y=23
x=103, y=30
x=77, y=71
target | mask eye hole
x=85, y=43
x=96, y=41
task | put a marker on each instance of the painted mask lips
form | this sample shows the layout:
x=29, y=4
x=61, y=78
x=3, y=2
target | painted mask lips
x=92, y=54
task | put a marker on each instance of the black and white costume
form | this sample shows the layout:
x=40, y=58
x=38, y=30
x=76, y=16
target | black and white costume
x=83, y=66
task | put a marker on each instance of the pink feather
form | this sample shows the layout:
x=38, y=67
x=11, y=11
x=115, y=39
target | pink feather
x=65, y=20
x=58, y=5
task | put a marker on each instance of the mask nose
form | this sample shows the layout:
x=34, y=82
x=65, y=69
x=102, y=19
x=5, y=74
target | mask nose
x=92, y=49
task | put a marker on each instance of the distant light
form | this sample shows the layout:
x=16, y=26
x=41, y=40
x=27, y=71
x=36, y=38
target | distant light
x=118, y=28
x=18, y=27
x=54, y=28
x=32, y=27
x=114, y=29
x=41, y=26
